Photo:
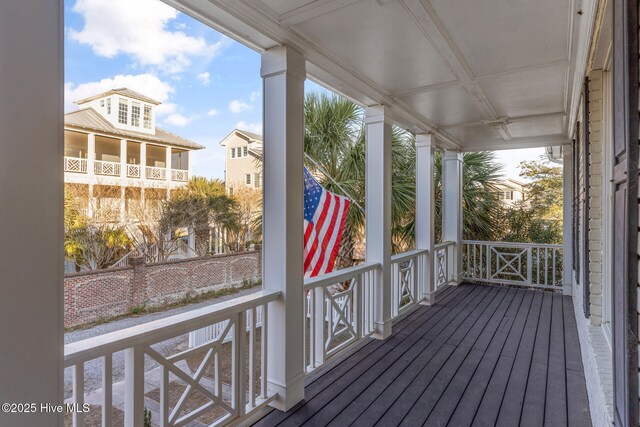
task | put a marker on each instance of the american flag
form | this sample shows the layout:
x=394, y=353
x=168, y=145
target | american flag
x=324, y=217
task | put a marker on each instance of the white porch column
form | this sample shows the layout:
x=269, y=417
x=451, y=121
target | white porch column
x=567, y=222
x=91, y=153
x=167, y=162
x=143, y=160
x=378, y=212
x=31, y=260
x=425, y=213
x=189, y=153
x=283, y=73
x=123, y=158
x=452, y=209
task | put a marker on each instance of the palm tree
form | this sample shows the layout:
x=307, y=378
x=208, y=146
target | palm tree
x=197, y=205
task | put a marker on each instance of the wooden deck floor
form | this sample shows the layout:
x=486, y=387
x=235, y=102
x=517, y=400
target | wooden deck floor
x=482, y=356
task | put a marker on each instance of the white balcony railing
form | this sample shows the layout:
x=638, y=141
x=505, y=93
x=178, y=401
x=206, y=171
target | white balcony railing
x=533, y=265
x=153, y=172
x=75, y=164
x=442, y=267
x=223, y=379
x=339, y=312
x=133, y=171
x=106, y=168
x=408, y=271
x=179, y=175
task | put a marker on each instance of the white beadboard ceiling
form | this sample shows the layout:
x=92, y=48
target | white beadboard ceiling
x=482, y=74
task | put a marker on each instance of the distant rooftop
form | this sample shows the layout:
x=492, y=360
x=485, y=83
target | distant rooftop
x=88, y=118
x=121, y=91
x=251, y=136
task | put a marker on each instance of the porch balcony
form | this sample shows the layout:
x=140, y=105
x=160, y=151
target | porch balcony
x=479, y=355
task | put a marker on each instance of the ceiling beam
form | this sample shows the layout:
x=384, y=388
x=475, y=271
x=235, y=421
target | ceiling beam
x=517, y=143
x=313, y=10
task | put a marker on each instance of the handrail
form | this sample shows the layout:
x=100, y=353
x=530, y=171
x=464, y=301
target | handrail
x=445, y=244
x=162, y=329
x=513, y=244
x=408, y=255
x=339, y=275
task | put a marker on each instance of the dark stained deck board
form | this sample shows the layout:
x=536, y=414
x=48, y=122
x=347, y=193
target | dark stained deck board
x=351, y=382
x=577, y=400
x=483, y=355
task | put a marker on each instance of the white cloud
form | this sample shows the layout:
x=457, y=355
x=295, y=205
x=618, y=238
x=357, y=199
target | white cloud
x=140, y=29
x=179, y=120
x=237, y=106
x=146, y=84
x=204, y=78
x=213, y=112
x=254, y=96
x=166, y=108
x=250, y=127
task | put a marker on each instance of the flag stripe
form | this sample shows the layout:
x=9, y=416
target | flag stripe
x=336, y=245
x=328, y=237
x=318, y=226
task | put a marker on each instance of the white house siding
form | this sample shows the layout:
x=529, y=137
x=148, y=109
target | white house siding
x=595, y=195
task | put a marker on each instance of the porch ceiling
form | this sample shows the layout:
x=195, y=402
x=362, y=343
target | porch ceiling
x=489, y=74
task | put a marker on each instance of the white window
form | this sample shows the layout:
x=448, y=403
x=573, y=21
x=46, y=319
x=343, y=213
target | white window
x=233, y=153
x=247, y=178
x=102, y=103
x=257, y=179
x=108, y=106
x=245, y=151
x=135, y=114
x=123, y=110
x=147, y=116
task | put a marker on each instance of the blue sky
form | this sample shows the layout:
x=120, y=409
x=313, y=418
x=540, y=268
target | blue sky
x=208, y=84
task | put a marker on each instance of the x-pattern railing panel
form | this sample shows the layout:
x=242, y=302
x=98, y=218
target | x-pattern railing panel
x=74, y=164
x=133, y=171
x=534, y=265
x=219, y=381
x=106, y=168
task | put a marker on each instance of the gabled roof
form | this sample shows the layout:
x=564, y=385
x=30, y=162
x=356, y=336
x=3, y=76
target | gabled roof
x=120, y=91
x=249, y=136
x=89, y=119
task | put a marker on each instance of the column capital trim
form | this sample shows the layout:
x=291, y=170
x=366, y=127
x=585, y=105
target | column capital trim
x=452, y=155
x=425, y=140
x=377, y=113
x=280, y=60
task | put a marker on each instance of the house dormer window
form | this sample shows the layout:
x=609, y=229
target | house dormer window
x=147, y=116
x=245, y=151
x=108, y=106
x=123, y=110
x=102, y=103
x=233, y=153
x=135, y=114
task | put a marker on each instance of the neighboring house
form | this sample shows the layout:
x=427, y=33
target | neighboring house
x=511, y=191
x=243, y=151
x=115, y=158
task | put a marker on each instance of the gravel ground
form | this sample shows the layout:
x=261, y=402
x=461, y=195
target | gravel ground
x=93, y=368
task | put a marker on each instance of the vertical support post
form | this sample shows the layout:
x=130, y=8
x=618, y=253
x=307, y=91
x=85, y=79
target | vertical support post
x=378, y=213
x=189, y=165
x=91, y=154
x=167, y=164
x=452, y=209
x=283, y=72
x=143, y=160
x=123, y=158
x=567, y=222
x=134, y=387
x=425, y=214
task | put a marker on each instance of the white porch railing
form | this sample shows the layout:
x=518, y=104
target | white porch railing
x=75, y=164
x=533, y=265
x=442, y=267
x=106, y=168
x=153, y=172
x=408, y=273
x=133, y=171
x=220, y=395
x=150, y=254
x=339, y=312
x=179, y=175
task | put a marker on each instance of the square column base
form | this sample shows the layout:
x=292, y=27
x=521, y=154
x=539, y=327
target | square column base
x=288, y=395
x=382, y=330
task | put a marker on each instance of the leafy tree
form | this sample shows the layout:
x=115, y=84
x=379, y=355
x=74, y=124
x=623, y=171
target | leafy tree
x=197, y=205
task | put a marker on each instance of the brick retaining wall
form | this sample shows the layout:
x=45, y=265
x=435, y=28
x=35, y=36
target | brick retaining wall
x=92, y=295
